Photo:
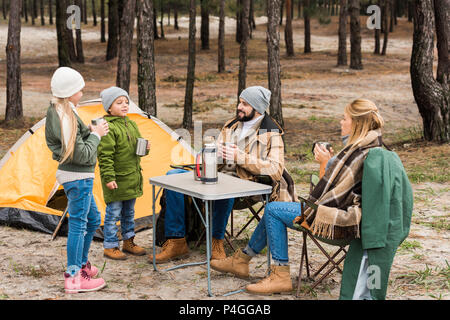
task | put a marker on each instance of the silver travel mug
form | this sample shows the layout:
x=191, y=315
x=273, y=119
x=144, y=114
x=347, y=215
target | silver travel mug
x=141, y=147
x=96, y=122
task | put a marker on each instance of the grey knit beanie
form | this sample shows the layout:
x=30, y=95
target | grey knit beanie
x=109, y=95
x=258, y=97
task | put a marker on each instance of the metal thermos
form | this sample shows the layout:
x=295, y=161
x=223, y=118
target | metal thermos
x=97, y=121
x=209, y=162
x=141, y=147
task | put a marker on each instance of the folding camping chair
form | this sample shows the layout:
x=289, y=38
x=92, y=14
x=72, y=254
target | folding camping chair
x=248, y=203
x=341, y=245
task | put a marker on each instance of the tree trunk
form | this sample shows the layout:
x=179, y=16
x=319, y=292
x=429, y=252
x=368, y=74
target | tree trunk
x=161, y=21
x=410, y=10
x=33, y=11
x=61, y=31
x=238, y=21
x=4, y=9
x=50, y=11
x=243, y=47
x=175, y=17
x=204, y=28
x=126, y=38
x=155, y=24
x=190, y=79
x=146, y=58
x=102, y=21
x=355, y=36
x=42, y=12
x=273, y=55
x=386, y=15
x=25, y=9
x=288, y=38
x=14, y=109
x=221, y=51
x=442, y=12
x=94, y=13
x=307, y=19
x=79, y=42
x=85, y=11
x=432, y=98
x=69, y=33
x=281, y=12
x=342, y=49
x=113, y=36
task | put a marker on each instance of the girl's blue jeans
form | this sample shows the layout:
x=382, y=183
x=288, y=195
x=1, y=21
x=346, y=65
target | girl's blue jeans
x=174, y=221
x=84, y=219
x=115, y=211
x=272, y=229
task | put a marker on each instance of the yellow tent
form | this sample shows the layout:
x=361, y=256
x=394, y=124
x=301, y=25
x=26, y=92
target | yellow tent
x=31, y=197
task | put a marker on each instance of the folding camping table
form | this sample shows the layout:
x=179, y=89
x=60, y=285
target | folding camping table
x=227, y=187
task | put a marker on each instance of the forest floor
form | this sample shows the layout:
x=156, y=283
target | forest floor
x=314, y=94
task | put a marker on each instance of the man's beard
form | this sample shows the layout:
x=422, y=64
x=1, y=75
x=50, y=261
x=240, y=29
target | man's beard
x=245, y=118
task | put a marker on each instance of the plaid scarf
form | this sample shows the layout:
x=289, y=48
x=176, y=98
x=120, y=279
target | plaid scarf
x=338, y=193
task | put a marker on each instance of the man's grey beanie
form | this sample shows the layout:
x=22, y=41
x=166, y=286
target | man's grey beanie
x=109, y=95
x=258, y=97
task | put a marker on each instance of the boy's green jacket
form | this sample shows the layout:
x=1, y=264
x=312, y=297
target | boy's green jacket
x=118, y=161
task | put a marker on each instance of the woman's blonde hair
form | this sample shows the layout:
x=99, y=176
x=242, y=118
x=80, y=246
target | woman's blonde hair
x=63, y=105
x=365, y=117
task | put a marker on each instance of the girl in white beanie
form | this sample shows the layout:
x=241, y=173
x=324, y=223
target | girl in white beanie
x=74, y=146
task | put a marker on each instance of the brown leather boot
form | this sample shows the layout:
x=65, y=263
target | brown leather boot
x=114, y=254
x=130, y=247
x=279, y=281
x=237, y=264
x=218, y=251
x=172, y=249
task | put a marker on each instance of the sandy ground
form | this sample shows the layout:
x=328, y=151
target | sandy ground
x=31, y=266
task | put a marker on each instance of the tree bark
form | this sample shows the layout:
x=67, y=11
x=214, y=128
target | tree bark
x=146, y=58
x=442, y=17
x=243, y=50
x=342, y=49
x=307, y=20
x=221, y=45
x=14, y=108
x=386, y=14
x=355, y=35
x=4, y=9
x=190, y=79
x=42, y=12
x=273, y=55
x=79, y=42
x=113, y=36
x=288, y=37
x=175, y=17
x=126, y=38
x=102, y=22
x=94, y=13
x=432, y=97
x=63, y=49
x=204, y=28
x=33, y=11
x=25, y=9
x=50, y=11
x=238, y=21
x=161, y=21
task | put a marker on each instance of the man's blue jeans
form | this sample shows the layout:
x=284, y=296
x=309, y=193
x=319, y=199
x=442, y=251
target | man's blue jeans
x=174, y=221
x=272, y=229
x=115, y=211
x=84, y=219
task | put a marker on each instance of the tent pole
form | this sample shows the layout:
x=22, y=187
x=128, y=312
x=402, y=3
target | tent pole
x=60, y=223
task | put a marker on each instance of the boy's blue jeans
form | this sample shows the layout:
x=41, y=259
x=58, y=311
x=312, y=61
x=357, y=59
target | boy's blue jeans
x=174, y=221
x=84, y=219
x=115, y=211
x=272, y=229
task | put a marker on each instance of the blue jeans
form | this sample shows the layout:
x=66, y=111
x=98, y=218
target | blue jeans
x=272, y=229
x=84, y=219
x=174, y=226
x=115, y=211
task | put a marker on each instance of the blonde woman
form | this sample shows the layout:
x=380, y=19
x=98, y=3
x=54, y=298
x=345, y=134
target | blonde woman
x=338, y=195
x=74, y=146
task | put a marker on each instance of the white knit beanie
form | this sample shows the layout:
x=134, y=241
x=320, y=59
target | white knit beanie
x=66, y=82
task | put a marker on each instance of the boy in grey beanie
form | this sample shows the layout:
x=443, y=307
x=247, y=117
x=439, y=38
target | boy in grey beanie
x=109, y=95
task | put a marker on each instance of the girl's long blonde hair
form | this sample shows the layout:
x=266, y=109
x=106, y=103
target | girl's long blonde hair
x=63, y=105
x=365, y=117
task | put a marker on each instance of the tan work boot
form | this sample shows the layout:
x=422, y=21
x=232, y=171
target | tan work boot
x=130, y=247
x=237, y=264
x=218, y=251
x=279, y=281
x=172, y=249
x=114, y=254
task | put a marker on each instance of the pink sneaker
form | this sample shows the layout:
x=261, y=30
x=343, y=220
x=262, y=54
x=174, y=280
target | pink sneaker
x=82, y=282
x=91, y=270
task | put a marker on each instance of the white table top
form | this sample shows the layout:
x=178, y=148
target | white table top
x=227, y=186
